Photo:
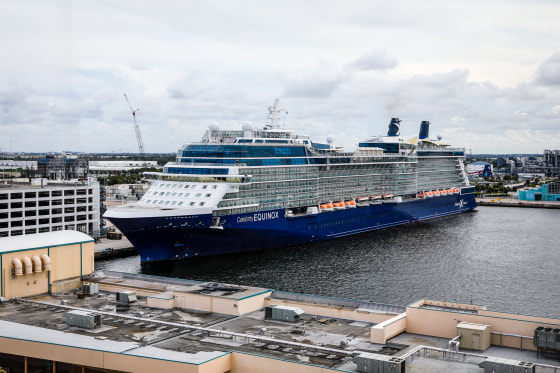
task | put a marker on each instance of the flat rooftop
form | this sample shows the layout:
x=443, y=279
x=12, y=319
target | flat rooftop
x=195, y=336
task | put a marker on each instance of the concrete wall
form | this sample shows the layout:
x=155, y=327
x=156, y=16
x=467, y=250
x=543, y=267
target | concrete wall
x=228, y=306
x=388, y=329
x=69, y=263
x=108, y=360
x=333, y=311
x=26, y=284
x=164, y=301
x=443, y=323
x=248, y=363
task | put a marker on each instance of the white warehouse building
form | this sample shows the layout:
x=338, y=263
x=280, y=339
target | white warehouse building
x=27, y=209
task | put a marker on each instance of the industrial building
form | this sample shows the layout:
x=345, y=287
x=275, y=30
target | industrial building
x=57, y=315
x=44, y=263
x=44, y=206
x=479, y=169
x=105, y=168
x=547, y=192
x=63, y=167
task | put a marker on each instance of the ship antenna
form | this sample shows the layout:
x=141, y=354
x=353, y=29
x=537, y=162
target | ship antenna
x=276, y=114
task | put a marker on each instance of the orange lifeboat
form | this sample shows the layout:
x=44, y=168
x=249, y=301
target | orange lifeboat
x=443, y=192
x=326, y=206
x=350, y=203
x=420, y=195
x=429, y=194
x=338, y=205
x=456, y=190
x=436, y=193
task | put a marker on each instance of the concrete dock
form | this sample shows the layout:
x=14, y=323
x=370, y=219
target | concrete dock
x=514, y=202
x=105, y=248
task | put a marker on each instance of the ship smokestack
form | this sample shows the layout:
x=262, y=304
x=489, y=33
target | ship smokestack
x=394, y=127
x=424, y=130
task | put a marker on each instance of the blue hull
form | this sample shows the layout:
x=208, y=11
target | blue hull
x=179, y=237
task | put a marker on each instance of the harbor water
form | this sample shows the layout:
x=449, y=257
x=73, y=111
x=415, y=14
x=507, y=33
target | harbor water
x=504, y=258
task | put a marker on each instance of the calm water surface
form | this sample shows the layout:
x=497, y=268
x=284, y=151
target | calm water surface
x=504, y=258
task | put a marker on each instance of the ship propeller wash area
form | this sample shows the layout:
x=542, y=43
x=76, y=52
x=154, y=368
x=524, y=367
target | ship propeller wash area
x=59, y=315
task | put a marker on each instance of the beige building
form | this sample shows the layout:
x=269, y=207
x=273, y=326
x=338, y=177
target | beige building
x=175, y=325
x=44, y=263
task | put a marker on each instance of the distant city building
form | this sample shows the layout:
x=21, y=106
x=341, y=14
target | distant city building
x=547, y=192
x=479, y=169
x=551, y=158
x=63, y=167
x=102, y=168
x=10, y=164
x=127, y=190
x=27, y=209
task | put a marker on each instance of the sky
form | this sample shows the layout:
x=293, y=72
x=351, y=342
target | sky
x=486, y=74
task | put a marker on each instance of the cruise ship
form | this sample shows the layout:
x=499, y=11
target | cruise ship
x=256, y=189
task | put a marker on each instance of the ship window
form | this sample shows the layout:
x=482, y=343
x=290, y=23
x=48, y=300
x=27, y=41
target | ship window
x=180, y=195
x=148, y=201
x=168, y=186
x=214, y=186
x=174, y=203
x=193, y=186
x=208, y=195
x=161, y=193
x=180, y=203
x=187, y=186
x=155, y=193
x=155, y=201
x=173, y=194
x=198, y=194
x=187, y=194
x=204, y=186
x=161, y=202
x=202, y=203
x=191, y=204
x=167, y=202
x=167, y=193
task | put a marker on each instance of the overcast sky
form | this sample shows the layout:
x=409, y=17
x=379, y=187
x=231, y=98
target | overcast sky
x=485, y=73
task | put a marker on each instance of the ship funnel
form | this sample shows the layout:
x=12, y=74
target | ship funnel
x=394, y=127
x=424, y=130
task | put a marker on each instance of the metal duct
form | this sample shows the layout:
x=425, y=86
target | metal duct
x=46, y=262
x=37, y=265
x=27, y=265
x=18, y=267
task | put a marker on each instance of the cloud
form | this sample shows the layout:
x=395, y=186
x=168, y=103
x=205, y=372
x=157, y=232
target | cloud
x=319, y=83
x=376, y=59
x=548, y=73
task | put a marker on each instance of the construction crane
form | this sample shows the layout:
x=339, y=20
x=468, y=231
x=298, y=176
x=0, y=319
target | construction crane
x=136, y=128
